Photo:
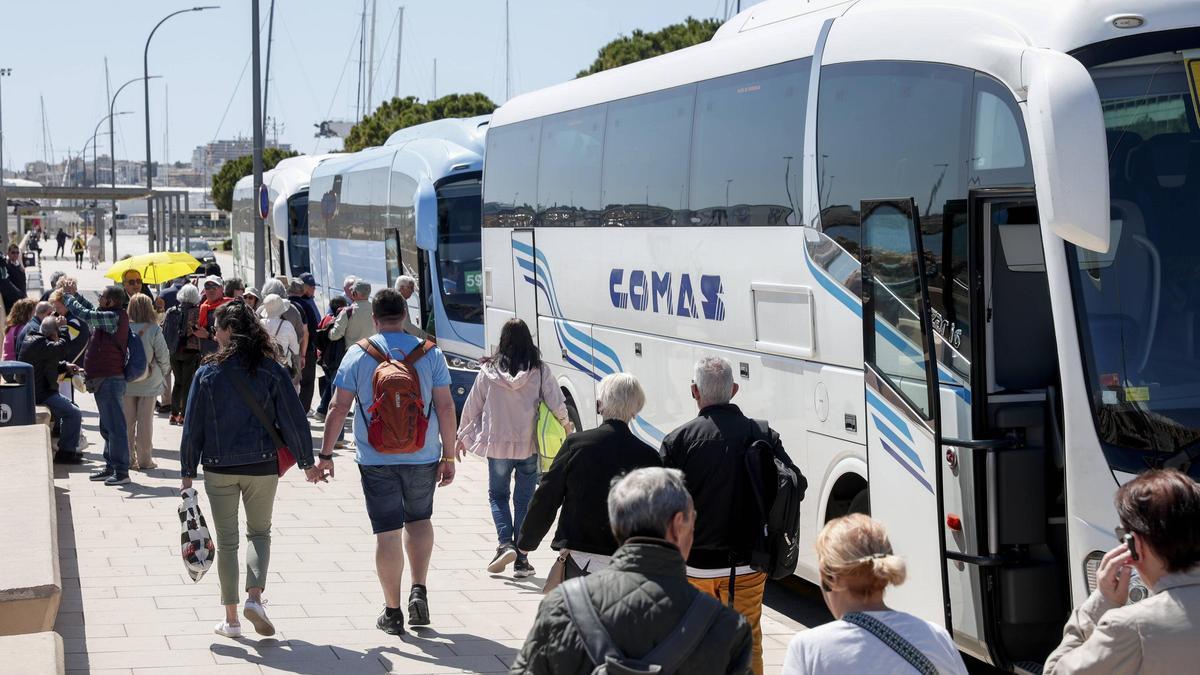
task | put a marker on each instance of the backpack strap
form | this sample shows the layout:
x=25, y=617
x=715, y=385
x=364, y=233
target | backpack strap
x=419, y=352
x=687, y=635
x=896, y=642
x=596, y=640
x=374, y=352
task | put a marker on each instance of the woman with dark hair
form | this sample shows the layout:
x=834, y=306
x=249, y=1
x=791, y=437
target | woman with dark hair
x=236, y=385
x=497, y=423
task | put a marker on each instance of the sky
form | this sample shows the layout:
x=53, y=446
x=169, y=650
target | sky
x=57, y=50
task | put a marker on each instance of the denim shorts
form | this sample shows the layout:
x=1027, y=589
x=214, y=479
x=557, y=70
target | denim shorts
x=398, y=493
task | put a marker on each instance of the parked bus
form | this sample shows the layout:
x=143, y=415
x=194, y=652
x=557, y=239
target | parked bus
x=944, y=246
x=286, y=225
x=410, y=207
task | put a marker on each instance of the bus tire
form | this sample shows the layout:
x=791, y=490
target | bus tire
x=573, y=414
x=861, y=503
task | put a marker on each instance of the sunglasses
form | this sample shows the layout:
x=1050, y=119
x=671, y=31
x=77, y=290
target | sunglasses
x=135, y=282
x=1126, y=537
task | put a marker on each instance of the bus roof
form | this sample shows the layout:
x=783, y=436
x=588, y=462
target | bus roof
x=432, y=150
x=988, y=35
x=288, y=176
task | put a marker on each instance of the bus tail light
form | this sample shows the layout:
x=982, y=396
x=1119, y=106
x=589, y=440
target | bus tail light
x=954, y=522
x=1091, y=566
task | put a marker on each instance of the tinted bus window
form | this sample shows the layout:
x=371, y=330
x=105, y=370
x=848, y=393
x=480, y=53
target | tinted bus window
x=748, y=147
x=569, y=174
x=512, y=174
x=888, y=130
x=646, y=148
x=460, y=270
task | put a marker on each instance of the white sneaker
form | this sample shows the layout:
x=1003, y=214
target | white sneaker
x=229, y=630
x=83, y=443
x=257, y=615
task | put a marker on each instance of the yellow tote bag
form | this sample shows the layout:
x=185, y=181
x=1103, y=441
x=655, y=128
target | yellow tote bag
x=550, y=434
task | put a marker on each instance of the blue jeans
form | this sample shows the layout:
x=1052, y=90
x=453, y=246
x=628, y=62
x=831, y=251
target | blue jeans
x=66, y=411
x=110, y=396
x=499, y=473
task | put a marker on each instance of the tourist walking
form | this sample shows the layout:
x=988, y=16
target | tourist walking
x=252, y=298
x=302, y=294
x=283, y=335
x=141, y=394
x=579, y=478
x=15, y=267
x=239, y=453
x=329, y=354
x=61, y=238
x=355, y=323
x=78, y=246
x=711, y=451
x=214, y=297
x=93, y=248
x=179, y=331
x=50, y=353
x=104, y=364
x=19, y=314
x=1159, y=539
x=398, y=486
x=642, y=601
x=498, y=421
x=857, y=564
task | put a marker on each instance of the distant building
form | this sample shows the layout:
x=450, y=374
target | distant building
x=207, y=159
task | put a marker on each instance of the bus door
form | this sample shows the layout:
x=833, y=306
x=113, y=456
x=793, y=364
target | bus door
x=298, y=256
x=525, y=279
x=900, y=378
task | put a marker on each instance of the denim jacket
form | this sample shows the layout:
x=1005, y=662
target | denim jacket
x=220, y=430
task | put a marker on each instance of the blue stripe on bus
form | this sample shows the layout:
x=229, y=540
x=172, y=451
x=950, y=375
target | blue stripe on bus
x=919, y=477
x=878, y=404
x=894, y=438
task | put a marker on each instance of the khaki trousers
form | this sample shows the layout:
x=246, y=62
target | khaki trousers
x=747, y=601
x=225, y=493
x=139, y=424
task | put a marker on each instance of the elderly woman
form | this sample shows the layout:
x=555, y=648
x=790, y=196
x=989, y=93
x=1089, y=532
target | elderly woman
x=180, y=323
x=580, y=476
x=856, y=564
x=282, y=334
x=140, y=395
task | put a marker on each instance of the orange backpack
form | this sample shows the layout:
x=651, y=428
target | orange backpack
x=398, y=418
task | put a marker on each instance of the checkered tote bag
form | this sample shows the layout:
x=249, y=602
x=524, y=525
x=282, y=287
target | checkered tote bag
x=195, y=543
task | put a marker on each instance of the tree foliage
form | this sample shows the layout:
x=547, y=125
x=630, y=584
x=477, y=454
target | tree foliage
x=399, y=113
x=641, y=45
x=233, y=171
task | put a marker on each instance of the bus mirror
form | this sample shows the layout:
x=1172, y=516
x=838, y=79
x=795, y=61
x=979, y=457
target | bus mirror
x=426, y=205
x=1068, y=147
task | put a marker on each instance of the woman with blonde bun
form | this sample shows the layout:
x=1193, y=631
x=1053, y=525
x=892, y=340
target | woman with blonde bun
x=857, y=564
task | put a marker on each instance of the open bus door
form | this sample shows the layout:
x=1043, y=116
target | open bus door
x=901, y=388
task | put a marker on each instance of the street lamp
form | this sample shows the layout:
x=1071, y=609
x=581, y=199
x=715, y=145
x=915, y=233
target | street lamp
x=112, y=154
x=95, y=133
x=146, y=80
x=4, y=72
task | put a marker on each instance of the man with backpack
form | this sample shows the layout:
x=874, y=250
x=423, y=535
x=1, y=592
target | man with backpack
x=715, y=451
x=639, y=613
x=111, y=358
x=405, y=430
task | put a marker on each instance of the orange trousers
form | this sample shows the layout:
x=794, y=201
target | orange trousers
x=747, y=601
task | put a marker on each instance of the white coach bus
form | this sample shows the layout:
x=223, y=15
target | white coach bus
x=950, y=248
x=410, y=207
x=287, y=219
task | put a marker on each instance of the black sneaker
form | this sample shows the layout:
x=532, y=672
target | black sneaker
x=418, y=606
x=117, y=479
x=505, y=554
x=103, y=474
x=522, y=568
x=391, y=621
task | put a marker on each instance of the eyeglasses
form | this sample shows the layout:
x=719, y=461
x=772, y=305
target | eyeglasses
x=135, y=282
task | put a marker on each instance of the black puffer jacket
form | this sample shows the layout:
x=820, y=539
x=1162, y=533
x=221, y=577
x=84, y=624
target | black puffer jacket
x=641, y=597
x=710, y=450
x=49, y=360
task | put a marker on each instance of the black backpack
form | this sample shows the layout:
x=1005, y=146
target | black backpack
x=665, y=659
x=778, y=488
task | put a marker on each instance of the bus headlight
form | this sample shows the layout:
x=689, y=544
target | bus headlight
x=1091, y=566
x=462, y=363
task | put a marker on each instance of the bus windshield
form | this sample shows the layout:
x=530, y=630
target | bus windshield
x=459, y=254
x=1138, y=306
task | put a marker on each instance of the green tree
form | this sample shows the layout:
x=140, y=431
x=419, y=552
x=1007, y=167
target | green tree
x=233, y=171
x=399, y=113
x=641, y=45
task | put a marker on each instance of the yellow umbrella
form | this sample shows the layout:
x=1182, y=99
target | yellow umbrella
x=156, y=268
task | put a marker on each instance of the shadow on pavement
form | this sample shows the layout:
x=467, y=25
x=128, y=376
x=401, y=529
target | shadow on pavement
x=71, y=608
x=306, y=658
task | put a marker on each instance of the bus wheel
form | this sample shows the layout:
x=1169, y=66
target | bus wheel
x=861, y=503
x=573, y=414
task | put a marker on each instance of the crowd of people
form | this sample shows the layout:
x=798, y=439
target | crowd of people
x=654, y=564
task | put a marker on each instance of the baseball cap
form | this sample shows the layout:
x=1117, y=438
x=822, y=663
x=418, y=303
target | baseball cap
x=308, y=279
x=252, y=291
x=212, y=279
x=295, y=287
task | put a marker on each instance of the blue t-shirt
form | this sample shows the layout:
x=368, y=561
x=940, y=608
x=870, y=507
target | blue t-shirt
x=355, y=375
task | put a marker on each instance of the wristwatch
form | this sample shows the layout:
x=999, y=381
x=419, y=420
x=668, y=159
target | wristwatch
x=452, y=460
x=325, y=458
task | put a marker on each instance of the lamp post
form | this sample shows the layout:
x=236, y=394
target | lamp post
x=112, y=154
x=4, y=72
x=146, y=80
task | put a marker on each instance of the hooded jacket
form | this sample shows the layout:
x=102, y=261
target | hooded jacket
x=498, y=416
x=641, y=597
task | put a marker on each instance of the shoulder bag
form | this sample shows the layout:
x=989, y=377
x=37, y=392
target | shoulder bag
x=548, y=432
x=894, y=641
x=282, y=453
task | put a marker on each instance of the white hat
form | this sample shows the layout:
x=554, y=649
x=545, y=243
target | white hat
x=212, y=279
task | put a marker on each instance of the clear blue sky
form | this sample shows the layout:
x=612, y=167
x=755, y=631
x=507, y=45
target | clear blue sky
x=56, y=49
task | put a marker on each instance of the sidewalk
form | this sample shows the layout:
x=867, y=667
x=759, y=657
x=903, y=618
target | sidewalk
x=129, y=607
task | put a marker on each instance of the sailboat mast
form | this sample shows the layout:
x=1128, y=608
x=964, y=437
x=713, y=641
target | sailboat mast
x=371, y=62
x=399, y=45
x=507, y=55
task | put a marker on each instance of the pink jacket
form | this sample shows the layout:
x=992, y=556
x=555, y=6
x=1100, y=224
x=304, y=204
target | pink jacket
x=498, y=417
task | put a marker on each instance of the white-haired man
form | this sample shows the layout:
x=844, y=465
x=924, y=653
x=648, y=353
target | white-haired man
x=642, y=601
x=356, y=322
x=407, y=285
x=710, y=450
